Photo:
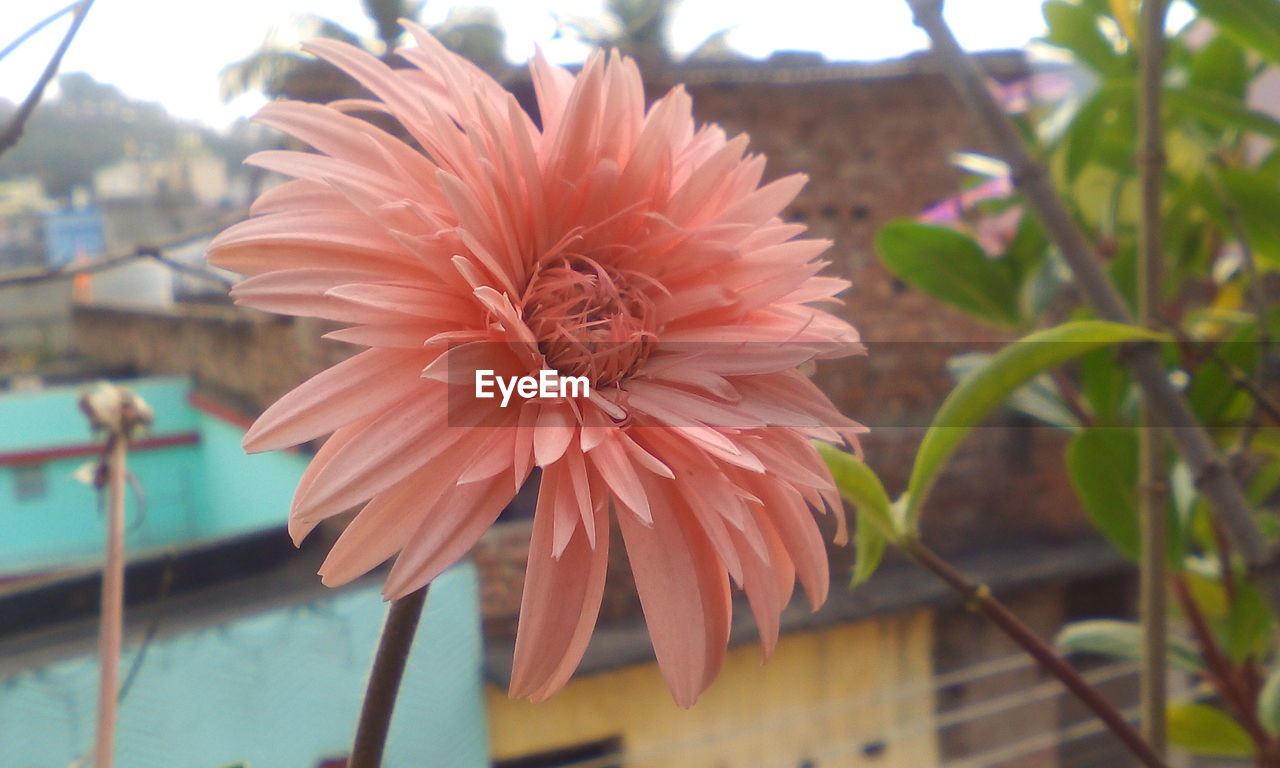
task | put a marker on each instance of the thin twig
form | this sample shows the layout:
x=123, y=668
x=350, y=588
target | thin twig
x=1256, y=294
x=1195, y=445
x=18, y=123
x=152, y=251
x=1225, y=677
x=1262, y=401
x=1152, y=602
x=1071, y=398
x=979, y=598
x=384, y=680
x=39, y=25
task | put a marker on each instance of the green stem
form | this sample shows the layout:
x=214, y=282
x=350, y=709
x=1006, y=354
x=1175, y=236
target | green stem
x=1152, y=600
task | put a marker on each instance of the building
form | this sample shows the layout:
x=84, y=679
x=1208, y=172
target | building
x=192, y=174
x=194, y=477
x=225, y=619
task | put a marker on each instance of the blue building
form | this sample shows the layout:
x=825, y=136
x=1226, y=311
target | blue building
x=72, y=233
x=245, y=657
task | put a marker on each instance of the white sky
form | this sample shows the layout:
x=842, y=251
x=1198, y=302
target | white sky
x=171, y=51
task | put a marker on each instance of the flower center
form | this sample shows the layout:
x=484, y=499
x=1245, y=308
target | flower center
x=590, y=320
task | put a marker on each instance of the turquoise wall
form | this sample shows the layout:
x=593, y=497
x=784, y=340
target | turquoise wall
x=193, y=493
x=50, y=417
x=243, y=492
x=65, y=528
x=279, y=689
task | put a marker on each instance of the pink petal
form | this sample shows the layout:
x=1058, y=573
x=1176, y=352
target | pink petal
x=560, y=603
x=684, y=593
x=448, y=530
x=360, y=385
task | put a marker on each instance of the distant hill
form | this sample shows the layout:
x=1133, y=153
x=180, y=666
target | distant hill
x=92, y=124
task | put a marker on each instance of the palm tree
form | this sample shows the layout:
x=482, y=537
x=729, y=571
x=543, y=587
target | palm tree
x=637, y=28
x=640, y=29
x=281, y=72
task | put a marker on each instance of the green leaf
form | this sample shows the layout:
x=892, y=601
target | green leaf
x=1123, y=271
x=1256, y=196
x=950, y=267
x=859, y=486
x=1208, y=731
x=1075, y=27
x=1248, y=629
x=1010, y=368
x=1211, y=390
x=1120, y=640
x=1103, y=382
x=1082, y=136
x=1038, y=398
x=1208, y=593
x=1103, y=463
x=1269, y=702
x=1220, y=66
x=1026, y=252
x=869, y=545
x=1220, y=110
x=1264, y=483
x=1254, y=24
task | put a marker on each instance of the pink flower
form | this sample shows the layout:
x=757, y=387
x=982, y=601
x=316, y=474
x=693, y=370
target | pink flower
x=622, y=244
x=993, y=232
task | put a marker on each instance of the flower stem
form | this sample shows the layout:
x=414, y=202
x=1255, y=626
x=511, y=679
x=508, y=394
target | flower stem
x=112, y=611
x=384, y=681
x=978, y=598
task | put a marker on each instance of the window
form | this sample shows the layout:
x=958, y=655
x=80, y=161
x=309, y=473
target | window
x=606, y=753
x=28, y=482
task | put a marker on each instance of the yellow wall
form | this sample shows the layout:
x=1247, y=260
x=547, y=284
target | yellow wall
x=822, y=696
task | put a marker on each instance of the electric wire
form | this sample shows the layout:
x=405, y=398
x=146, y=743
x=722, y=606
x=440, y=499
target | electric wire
x=799, y=716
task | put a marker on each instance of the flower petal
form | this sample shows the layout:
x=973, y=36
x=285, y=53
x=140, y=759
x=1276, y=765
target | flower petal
x=561, y=601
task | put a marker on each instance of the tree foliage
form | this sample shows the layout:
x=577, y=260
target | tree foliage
x=1217, y=308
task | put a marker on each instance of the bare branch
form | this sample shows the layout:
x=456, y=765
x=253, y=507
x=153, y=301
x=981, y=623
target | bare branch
x=979, y=599
x=153, y=251
x=39, y=25
x=1153, y=608
x=18, y=123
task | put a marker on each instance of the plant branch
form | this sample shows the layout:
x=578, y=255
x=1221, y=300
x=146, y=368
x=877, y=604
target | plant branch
x=39, y=25
x=1152, y=602
x=18, y=123
x=978, y=598
x=1222, y=675
x=153, y=251
x=1256, y=294
x=384, y=681
x=1197, y=448
x=1262, y=403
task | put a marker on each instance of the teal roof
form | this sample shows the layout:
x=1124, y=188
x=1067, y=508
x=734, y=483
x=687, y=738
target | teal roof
x=199, y=489
x=51, y=418
x=277, y=688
